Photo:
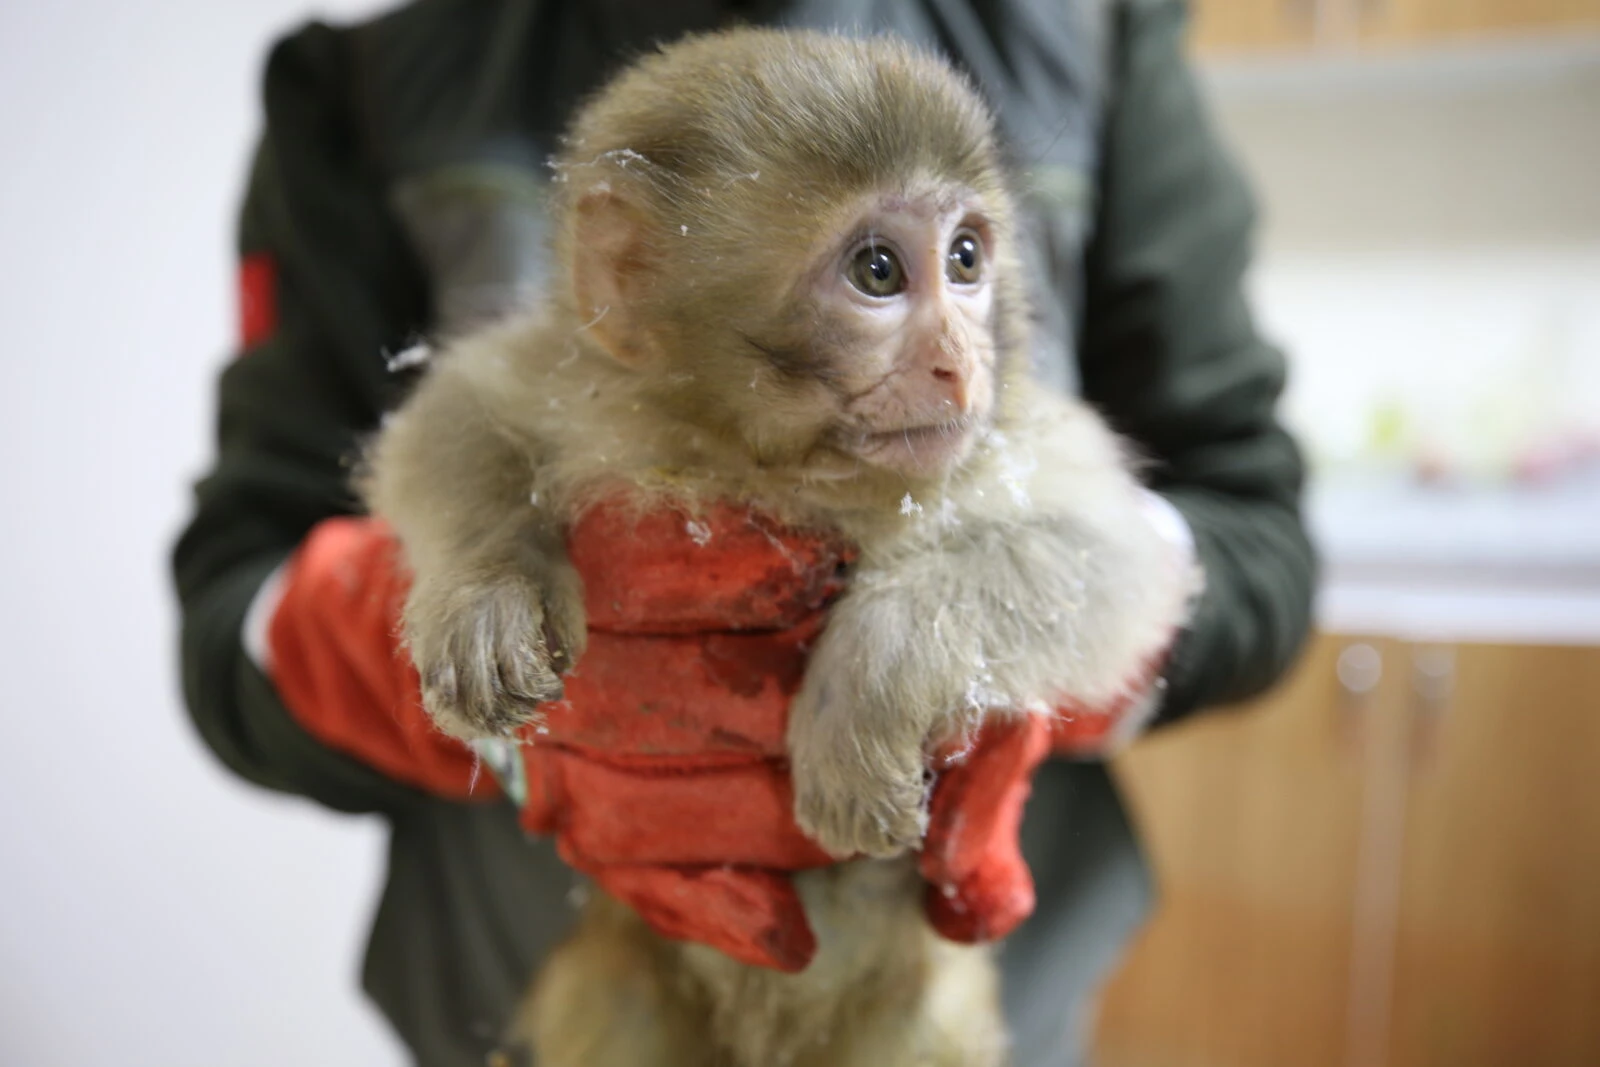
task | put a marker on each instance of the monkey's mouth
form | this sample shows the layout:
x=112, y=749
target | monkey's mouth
x=921, y=448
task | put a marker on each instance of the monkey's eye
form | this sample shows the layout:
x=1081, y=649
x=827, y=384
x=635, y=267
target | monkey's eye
x=964, y=262
x=876, y=271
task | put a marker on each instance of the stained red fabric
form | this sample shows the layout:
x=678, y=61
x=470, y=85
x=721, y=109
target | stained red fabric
x=335, y=662
x=664, y=571
x=758, y=918
x=979, y=888
x=661, y=773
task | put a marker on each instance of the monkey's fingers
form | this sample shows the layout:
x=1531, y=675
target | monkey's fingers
x=881, y=817
x=482, y=657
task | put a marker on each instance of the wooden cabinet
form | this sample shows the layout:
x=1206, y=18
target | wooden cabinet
x=1252, y=820
x=1392, y=861
x=1228, y=27
x=1388, y=22
x=1497, y=947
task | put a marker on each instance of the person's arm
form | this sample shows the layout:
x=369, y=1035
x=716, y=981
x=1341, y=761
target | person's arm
x=337, y=286
x=1170, y=355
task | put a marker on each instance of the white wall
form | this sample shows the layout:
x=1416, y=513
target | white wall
x=1430, y=259
x=153, y=912
x=1430, y=244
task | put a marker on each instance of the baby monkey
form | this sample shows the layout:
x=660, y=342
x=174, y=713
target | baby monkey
x=786, y=276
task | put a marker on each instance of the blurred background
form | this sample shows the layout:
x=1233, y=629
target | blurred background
x=1394, y=860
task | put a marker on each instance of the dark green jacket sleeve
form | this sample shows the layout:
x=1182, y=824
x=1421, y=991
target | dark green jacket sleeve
x=1170, y=356
x=291, y=410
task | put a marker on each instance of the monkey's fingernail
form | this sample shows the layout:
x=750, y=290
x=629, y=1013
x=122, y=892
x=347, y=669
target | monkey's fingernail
x=555, y=648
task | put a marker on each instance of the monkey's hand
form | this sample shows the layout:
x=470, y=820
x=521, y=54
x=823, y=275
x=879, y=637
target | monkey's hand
x=856, y=737
x=492, y=646
x=930, y=636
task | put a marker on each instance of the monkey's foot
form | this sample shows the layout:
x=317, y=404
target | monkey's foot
x=489, y=654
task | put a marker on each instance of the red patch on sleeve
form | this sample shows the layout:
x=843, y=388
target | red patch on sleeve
x=258, y=298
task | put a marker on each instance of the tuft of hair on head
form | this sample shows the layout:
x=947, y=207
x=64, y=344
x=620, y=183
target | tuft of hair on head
x=730, y=146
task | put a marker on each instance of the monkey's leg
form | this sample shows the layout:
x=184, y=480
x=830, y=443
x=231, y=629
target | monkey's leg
x=965, y=1025
x=608, y=997
x=884, y=990
x=943, y=1013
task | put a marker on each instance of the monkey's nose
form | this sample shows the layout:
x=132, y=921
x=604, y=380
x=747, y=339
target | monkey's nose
x=953, y=388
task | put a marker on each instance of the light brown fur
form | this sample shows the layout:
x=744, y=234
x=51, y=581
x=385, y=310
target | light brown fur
x=890, y=993
x=698, y=346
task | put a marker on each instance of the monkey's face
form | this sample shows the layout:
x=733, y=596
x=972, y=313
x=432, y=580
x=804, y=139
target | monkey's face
x=904, y=307
x=835, y=339
x=805, y=247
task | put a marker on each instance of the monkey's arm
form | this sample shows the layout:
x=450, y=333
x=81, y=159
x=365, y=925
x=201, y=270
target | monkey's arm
x=1170, y=356
x=494, y=615
x=1045, y=583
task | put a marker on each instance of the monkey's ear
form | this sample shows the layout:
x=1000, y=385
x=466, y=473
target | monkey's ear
x=610, y=267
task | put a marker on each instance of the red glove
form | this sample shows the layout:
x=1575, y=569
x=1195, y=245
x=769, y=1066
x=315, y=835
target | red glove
x=661, y=773
x=979, y=887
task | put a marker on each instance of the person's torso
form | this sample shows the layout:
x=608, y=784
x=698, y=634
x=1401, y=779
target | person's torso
x=462, y=105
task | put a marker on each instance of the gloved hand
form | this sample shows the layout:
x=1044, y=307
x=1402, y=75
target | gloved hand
x=979, y=888
x=661, y=773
